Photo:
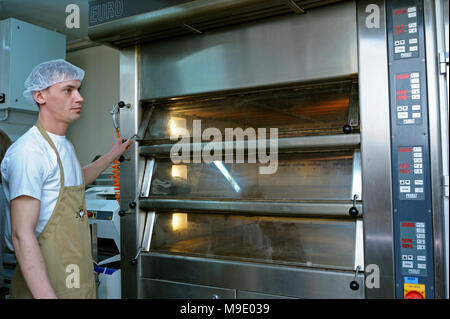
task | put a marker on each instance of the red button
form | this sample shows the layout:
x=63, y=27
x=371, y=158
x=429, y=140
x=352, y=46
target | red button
x=414, y=295
x=90, y=214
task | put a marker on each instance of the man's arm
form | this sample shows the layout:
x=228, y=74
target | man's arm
x=93, y=170
x=24, y=218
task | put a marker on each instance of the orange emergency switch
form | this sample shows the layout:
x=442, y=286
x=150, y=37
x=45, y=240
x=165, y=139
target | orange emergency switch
x=414, y=295
x=414, y=291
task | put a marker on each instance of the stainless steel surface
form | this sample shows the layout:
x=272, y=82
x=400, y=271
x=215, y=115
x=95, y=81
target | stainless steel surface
x=166, y=18
x=357, y=181
x=130, y=227
x=148, y=173
x=148, y=231
x=353, y=107
x=199, y=15
x=375, y=145
x=141, y=225
x=191, y=29
x=242, y=294
x=444, y=89
x=359, y=245
x=294, y=6
x=329, y=44
x=324, y=43
x=268, y=279
x=435, y=134
x=318, y=209
x=155, y=289
x=297, y=143
x=444, y=12
x=144, y=125
x=442, y=39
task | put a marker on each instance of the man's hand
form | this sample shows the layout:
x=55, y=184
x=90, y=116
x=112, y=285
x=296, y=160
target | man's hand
x=93, y=170
x=120, y=147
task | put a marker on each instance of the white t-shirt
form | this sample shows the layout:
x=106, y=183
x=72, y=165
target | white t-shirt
x=30, y=167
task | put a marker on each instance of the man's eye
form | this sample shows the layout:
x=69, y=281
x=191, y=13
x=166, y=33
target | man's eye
x=67, y=91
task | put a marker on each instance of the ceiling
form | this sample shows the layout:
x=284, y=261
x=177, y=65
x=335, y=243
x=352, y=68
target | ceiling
x=50, y=14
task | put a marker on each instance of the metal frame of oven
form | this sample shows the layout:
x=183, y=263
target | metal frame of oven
x=142, y=269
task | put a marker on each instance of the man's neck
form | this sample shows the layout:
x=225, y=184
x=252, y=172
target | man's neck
x=52, y=126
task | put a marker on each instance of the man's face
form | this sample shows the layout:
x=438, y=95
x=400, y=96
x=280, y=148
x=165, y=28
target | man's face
x=64, y=101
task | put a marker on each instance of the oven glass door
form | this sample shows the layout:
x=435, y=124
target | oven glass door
x=300, y=111
x=328, y=243
x=303, y=176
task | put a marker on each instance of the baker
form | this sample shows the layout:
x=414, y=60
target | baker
x=47, y=225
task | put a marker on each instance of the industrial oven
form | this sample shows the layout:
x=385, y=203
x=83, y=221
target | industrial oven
x=293, y=149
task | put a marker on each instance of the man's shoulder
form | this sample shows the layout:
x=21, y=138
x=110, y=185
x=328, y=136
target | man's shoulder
x=28, y=155
x=28, y=145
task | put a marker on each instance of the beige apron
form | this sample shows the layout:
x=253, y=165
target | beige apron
x=65, y=243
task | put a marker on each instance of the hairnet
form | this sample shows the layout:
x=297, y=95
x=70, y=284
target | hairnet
x=50, y=73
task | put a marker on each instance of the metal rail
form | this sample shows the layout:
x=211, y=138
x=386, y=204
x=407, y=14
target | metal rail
x=324, y=209
x=284, y=144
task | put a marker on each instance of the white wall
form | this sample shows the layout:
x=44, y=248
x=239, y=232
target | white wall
x=93, y=134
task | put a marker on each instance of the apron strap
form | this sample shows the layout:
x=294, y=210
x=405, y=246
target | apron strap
x=49, y=140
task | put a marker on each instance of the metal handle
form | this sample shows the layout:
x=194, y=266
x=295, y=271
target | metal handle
x=353, y=211
x=134, y=260
x=347, y=129
x=132, y=205
x=354, y=284
x=114, y=112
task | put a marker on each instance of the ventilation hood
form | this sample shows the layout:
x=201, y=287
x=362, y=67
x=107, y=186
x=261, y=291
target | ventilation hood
x=125, y=23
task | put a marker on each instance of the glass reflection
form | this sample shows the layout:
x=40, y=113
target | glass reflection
x=227, y=175
x=306, y=176
x=299, y=241
x=310, y=110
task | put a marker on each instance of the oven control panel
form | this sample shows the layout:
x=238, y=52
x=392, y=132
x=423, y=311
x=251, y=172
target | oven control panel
x=406, y=41
x=410, y=177
x=413, y=242
x=408, y=95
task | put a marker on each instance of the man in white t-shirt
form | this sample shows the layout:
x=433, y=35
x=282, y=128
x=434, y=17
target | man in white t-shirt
x=31, y=173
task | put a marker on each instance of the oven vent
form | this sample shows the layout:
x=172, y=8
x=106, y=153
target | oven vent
x=192, y=17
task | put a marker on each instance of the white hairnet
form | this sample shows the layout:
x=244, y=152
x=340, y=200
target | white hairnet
x=49, y=73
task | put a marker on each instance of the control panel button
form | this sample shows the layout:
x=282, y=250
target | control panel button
x=413, y=291
x=414, y=295
x=407, y=264
x=421, y=258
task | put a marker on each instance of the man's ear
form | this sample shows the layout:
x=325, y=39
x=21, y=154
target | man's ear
x=39, y=96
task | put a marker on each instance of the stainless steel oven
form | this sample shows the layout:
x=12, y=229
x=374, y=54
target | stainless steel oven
x=311, y=188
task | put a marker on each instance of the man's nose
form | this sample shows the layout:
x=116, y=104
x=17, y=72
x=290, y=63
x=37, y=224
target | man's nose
x=78, y=98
